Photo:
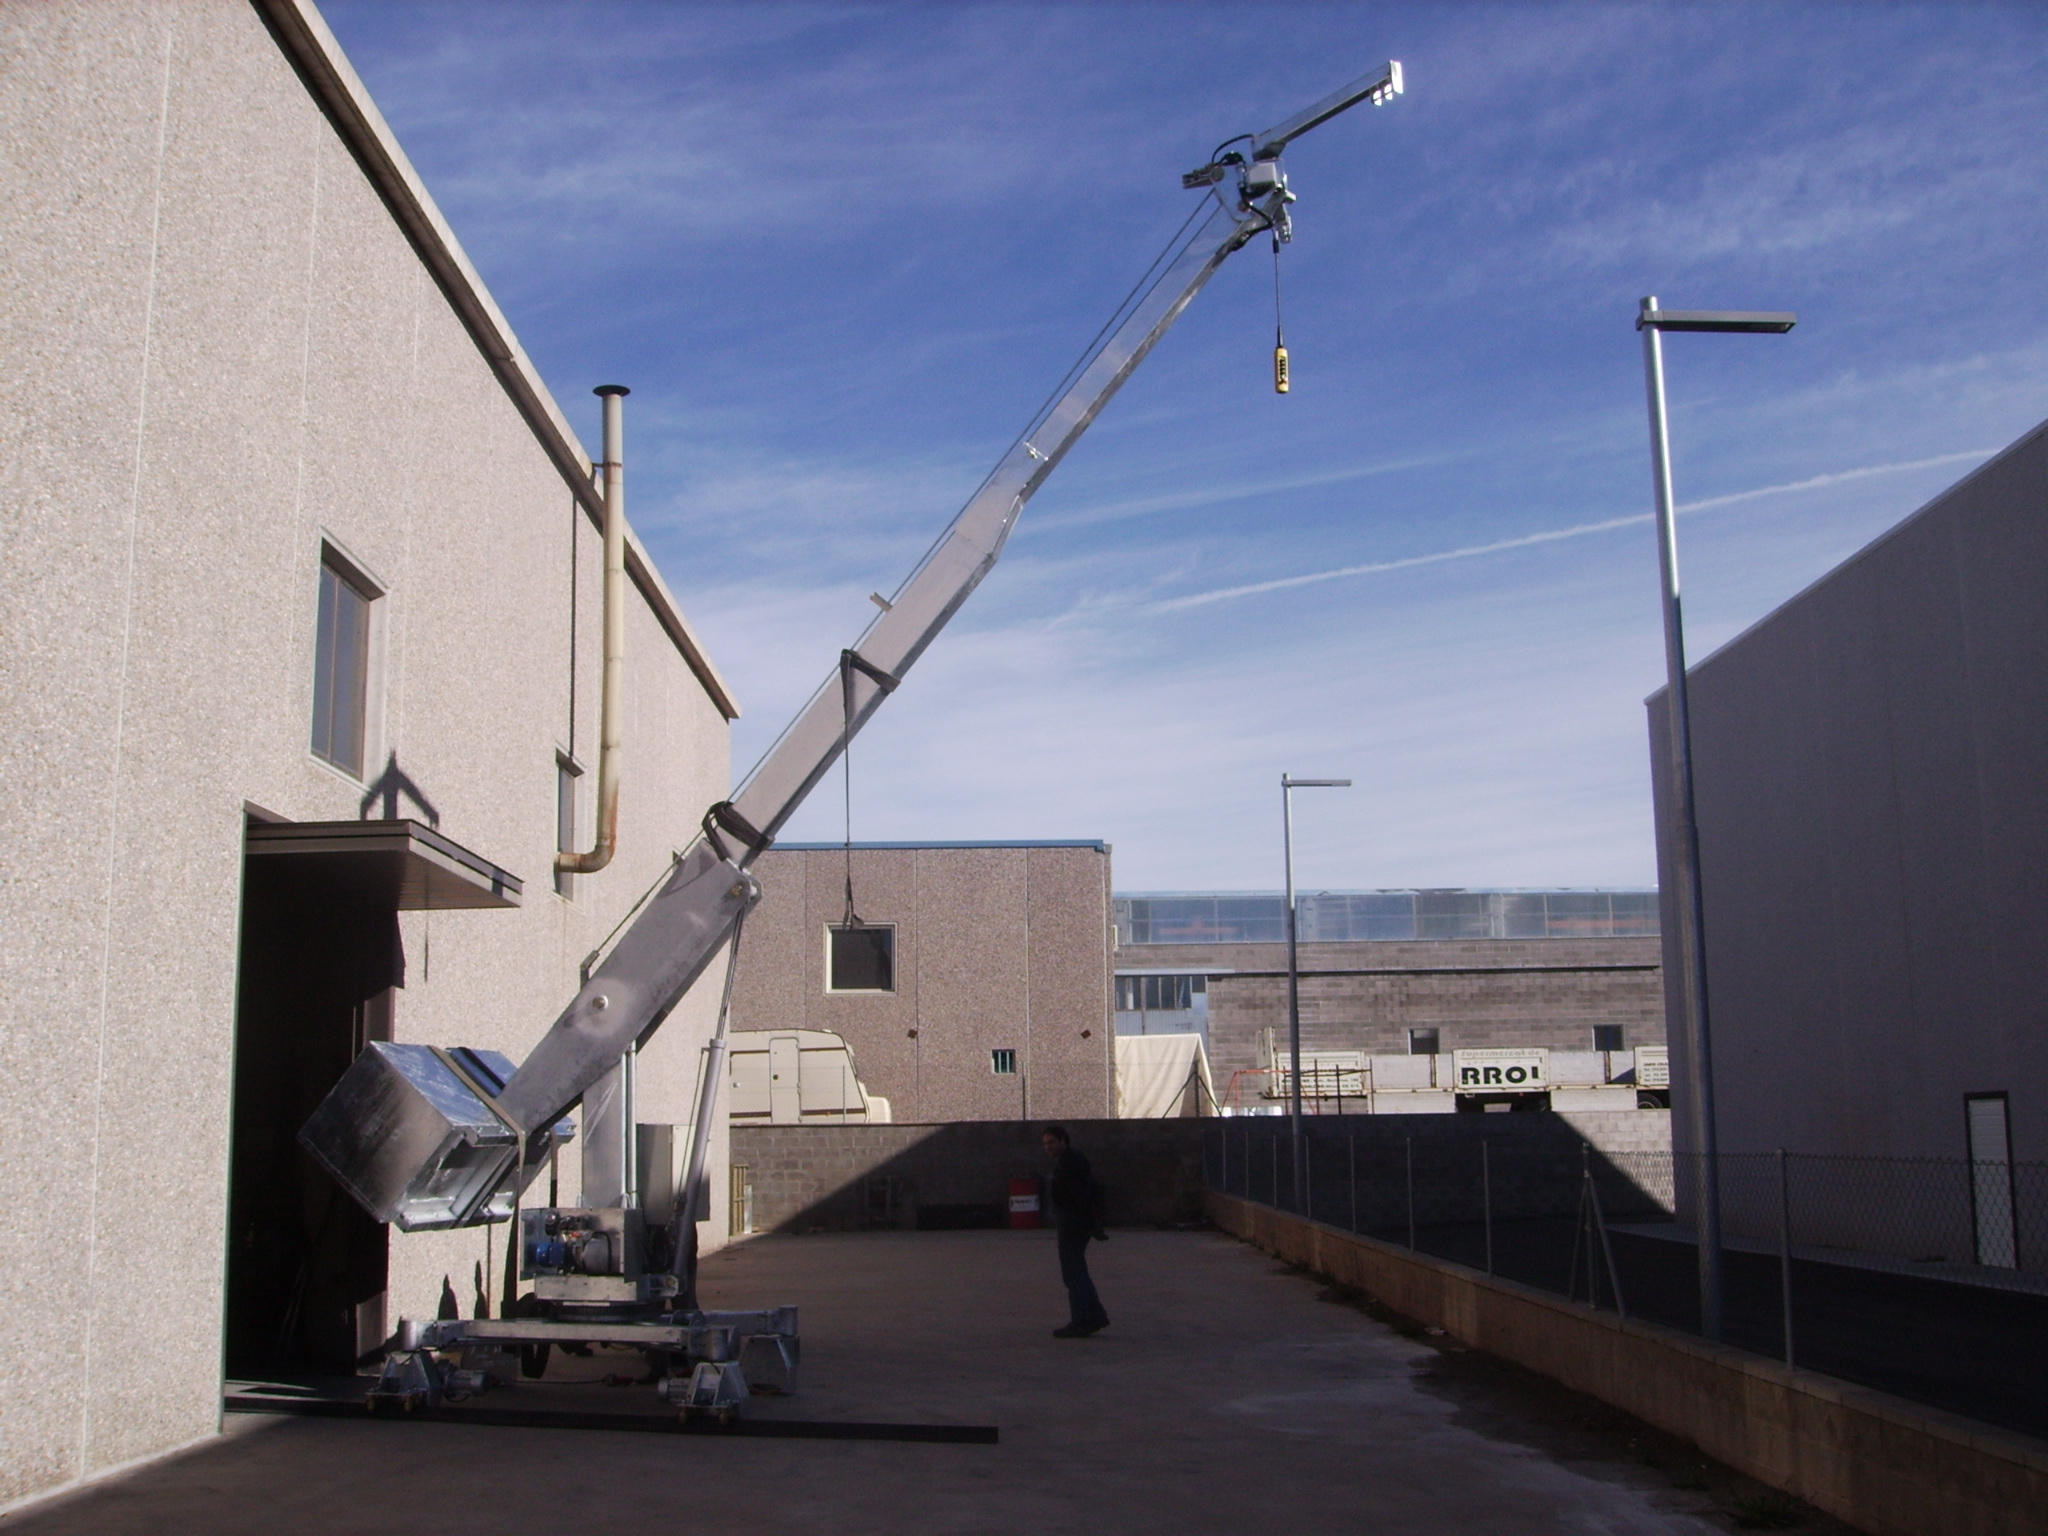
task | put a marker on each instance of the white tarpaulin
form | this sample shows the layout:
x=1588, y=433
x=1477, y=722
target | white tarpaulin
x=1158, y=1076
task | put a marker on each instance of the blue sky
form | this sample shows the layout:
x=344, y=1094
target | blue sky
x=841, y=252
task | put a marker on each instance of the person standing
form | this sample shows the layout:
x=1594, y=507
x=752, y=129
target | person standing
x=1077, y=1213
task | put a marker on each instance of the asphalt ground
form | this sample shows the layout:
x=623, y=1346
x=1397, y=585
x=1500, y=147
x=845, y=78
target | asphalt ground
x=1230, y=1394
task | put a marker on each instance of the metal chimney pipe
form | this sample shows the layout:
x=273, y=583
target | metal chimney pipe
x=612, y=705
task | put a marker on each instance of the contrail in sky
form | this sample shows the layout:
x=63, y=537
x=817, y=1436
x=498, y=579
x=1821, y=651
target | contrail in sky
x=1552, y=535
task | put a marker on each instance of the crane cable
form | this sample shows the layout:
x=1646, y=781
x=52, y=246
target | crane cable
x=850, y=918
x=1279, y=326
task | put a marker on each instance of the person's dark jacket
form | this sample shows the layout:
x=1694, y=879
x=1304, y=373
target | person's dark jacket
x=1076, y=1197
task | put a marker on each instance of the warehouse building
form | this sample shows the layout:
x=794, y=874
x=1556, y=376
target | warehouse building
x=1869, y=762
x=299, y=651
x=1571, y=976
x=967, y=981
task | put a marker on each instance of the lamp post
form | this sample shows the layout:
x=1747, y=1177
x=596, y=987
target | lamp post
x=1692, y=933
x=1287, y=788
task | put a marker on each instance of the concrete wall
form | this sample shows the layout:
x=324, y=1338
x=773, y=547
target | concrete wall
x=217, y=350
x=1885, y=1466
x=1874, y=837
x=1367, y=996
x=998, y=946
x=843, y=1178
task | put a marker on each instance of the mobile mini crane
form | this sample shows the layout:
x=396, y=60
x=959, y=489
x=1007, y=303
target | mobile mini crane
x=429, y=1138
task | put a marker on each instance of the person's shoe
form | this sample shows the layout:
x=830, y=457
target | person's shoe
x=1072, y=1331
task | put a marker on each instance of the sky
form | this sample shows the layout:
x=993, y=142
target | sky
x=841, y=252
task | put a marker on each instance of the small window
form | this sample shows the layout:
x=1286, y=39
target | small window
x=1003, y=1063
x=1422, y=1042
x=567, y=772
x=861, y=959
x=1157, y=994
x=341, y=670
x=1607, y=1037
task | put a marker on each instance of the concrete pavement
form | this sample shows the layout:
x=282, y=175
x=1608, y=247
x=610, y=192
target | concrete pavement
x=1226, y=1397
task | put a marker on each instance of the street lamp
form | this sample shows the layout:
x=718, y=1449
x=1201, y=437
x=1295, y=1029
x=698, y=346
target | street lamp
x=1287, y=788
x=1692, y=932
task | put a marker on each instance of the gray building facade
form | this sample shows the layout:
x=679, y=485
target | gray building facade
x=1393, y=972
x=976, y=987
x=299, y=658
x=1870, y=761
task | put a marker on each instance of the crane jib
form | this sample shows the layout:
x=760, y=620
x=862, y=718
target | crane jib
x=693, y=913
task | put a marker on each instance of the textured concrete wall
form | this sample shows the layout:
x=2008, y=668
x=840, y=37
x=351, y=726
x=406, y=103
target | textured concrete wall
x=838, y=1177
x=1869, y=762
x=828, y=1177
x=996, y=948
x=1474, y=992
x=217, y=350
x=1887, y=1467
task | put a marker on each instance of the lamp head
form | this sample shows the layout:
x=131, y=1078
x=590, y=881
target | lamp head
x=1733, y=321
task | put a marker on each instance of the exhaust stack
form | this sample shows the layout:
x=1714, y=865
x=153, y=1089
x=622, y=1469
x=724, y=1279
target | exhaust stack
x=612, y=703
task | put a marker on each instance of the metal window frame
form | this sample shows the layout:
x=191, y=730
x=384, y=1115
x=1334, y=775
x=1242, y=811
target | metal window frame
x=1971, y=1162
x=888, y=991
x=568, y=817
x=351, y=574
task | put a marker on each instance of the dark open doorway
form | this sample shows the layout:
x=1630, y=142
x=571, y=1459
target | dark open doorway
x=319, y=966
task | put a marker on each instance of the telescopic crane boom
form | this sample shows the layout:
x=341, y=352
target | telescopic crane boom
x=418, y=1177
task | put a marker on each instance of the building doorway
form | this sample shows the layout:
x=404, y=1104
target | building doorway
x=1988, y=1126
x=319, y=967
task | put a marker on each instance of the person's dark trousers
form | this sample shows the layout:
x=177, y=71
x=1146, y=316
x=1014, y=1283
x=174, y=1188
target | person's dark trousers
x=1084, y=1304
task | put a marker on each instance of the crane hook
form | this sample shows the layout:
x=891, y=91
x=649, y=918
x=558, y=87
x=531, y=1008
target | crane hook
x=1279, y=328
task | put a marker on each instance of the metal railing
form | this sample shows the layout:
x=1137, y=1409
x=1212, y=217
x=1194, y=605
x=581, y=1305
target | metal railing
x=1924, y=1277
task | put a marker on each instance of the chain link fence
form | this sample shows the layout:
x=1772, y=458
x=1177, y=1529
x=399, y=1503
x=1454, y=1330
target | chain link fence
x=1924, y=1277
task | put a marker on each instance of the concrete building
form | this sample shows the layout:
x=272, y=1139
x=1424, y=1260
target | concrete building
x=976, y=987
x=1396, y=973
x=1869, y=763
x=299, y=657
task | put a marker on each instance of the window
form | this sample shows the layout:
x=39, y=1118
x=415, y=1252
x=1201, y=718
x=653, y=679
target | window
x=1158, y=994
x=567, y=772
x=1003, y=1063
x=341, y=668
x=1607, y=1037
x=861, y=959
x=1422, y=1042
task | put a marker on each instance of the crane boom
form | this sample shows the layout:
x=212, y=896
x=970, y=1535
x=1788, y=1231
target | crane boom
x=692, y=915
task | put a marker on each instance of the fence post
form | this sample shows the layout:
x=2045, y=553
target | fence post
x=1606, y=1247
x=1274, y=1163
x=1411, y=1194
x=1308, y=1182
x=1486, y=1196
x=1785, y=1251
x=1353, y=1139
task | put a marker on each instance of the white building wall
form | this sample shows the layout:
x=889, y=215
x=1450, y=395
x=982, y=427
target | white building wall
x=217, y=349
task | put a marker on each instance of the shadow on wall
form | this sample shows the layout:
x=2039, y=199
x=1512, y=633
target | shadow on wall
x=840, y=1178
x=1376, y=1173
x=389, y=787
x=844, y=1178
